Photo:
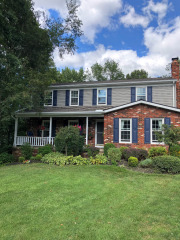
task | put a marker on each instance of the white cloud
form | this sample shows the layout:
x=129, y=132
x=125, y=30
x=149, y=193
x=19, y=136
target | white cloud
x=133, y=19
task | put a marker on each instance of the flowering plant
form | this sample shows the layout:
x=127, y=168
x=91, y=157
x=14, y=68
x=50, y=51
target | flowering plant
x=42, y=127
x=26, y=161
x=78, y=126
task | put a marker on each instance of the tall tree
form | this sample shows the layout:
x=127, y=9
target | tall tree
x=71, y=75
x=137, y=74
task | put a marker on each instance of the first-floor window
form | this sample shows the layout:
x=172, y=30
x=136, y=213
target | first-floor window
x=45, y=128
x=156, y=126
x=125, y=130
x=74, y=97
x=48, y=98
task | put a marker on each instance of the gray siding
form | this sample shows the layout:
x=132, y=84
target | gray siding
x=121, y=96
x=61, y=98
x=163, y=95
x=87, y=98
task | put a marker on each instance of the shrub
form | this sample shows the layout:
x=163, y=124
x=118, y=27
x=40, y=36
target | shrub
x=132, y=161
x=26, y=150
x=174, y=150
x=32, y=158
x=91, y=151
x=122, y=151
x=78, y=160
x=140, y=154
x=114, y=154
x=167, y=164
x=107, y=146
x=6, y=158
x=21, y=159
x=147, y=163
x=38, y=157
x=52, y=157
x=157, y=151
x=45, y=149
x=99, y=159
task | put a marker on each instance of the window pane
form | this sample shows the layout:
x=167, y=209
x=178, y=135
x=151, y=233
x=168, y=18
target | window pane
x=125, y=136
x=141, y=98
x=125, y=124
x=48, y=98
x=74, y=94
x=101, y=100
x=141, y=91
x=156, y=125
x=74, y=101
x=102, y=96
x=102, y=93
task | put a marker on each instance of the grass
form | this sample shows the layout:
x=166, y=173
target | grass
x=39, y=201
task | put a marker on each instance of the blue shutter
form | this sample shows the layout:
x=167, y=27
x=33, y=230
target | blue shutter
x=116, y=130
x=147, y=130
x=94, y=97
x=53, y=128
x=81, y=92
x=134, y=130
x=55, y=98
x=133, y=94
x=167, y=121
x=149, y=94
x=109, y=96
x=67, y=97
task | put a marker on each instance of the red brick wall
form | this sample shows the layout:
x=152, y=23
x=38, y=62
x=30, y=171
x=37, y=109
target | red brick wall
x=175, y=74
x=139, y=111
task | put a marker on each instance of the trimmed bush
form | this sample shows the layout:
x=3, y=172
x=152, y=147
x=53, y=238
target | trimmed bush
x=140, y=154
x=6, y=158
x=157, y=151
x=99, y=159
x=91, y=151
x=174, y=150
x=21, y=159
x=26, y=150
x=132, y=161
x=107, y=146
x=114, y=155
x=167, y=164
x=45, y=149
x=147, y=163
x=122, y=151
x=38, y=157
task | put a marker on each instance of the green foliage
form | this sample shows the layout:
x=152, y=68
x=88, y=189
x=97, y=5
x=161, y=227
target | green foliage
x=78, y=160
x=107, y=146
x=175, y=150
x=38, y=156
x=91, y=151
x=167, y=164
x=140, y=154
x=69, y=141
x=137, y=74
x=45, y=149
x=21, y=159
x=122, y=151
x=26, y=150
x=157, y=151
x=52, y=158
x=71, y=75
x=114, y=154
x=147, y=163
x=132, y=161
x=6, y=158
x=99, y=159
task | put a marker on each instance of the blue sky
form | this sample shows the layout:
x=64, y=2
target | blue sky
x=138, y=34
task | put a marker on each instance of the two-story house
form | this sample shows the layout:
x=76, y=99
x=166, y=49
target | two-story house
x=124, y=112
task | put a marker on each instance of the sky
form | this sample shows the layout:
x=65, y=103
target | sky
x=138, y=34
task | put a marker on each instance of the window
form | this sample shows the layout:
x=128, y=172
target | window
x=102, y=96
x=48, y=98
x=45, y=128
x=156, y=125
x=125, y=130
x=141, y=93
x=74, y=97
x=73, y=122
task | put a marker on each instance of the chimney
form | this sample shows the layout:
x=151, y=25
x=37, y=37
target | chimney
x=175, y=74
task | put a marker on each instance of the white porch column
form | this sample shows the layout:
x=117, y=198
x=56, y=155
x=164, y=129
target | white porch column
x=86, y=130
x=15, y=131
x=50, y=129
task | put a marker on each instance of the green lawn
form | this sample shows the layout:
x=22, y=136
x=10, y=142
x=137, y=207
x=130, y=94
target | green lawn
x=39, y=201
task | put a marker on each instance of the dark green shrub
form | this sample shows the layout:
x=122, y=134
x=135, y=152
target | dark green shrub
x=32, y=158
x=99, y=159
x=26, y=150
x=147, y=163
x=174, y=150
x=167, y=164
x=114, y=155
x=140, y=154
x=122, y=150
x=91, y=151
x=45, y=149
x=107, y=146
x=6, y=158
x=38, y=157
x=21, y=159
x=157, y=151
x=132, y=161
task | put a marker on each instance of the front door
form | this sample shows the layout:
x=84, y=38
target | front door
x=99, y=132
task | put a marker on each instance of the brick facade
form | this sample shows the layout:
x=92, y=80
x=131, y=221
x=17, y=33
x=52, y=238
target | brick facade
x=140, y=111
x=175, y=74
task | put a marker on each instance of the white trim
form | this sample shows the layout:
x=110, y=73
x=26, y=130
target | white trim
x=98, y=145
x=174, y=95
x=120, y=130
x=50, y=130
x=15, y=131
x=86, y=130
x=145, y=90
x=151, y=119
x=49, y=105
x=73, y=121
x=77, y=90
x=101, y=104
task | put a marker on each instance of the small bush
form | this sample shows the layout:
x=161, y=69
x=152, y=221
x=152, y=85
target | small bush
x=157, y=151
x=99, y=159
x=45, y=149
x=6, y=158
x=26, y=150
x=132, y=161
x=147, y=163
x=32, y=158
x=174, y=150
x=38, y=157
x=122, y=151
x=107, y=146
x=167, y=164
x=91, y=151
x=21, y=159
x=140, y=154
x=114, y=155
x=78, y=160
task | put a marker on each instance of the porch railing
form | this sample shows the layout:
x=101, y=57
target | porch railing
x=34, y=141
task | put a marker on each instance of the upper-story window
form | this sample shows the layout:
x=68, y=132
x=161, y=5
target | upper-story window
x=102, y=96
x=141, y=93
x=156, y=126
x=74, y=98
x=48, y=98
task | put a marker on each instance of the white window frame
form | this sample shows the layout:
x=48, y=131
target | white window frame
x=49, y=105
x=77, y=90
x=43, y=125
x=137, y=91
x=98, y=95
x=152, y=130
x=73, y=121
x=130, y=130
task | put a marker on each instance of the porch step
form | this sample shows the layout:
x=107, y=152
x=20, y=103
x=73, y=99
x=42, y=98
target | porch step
x=101, y=150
